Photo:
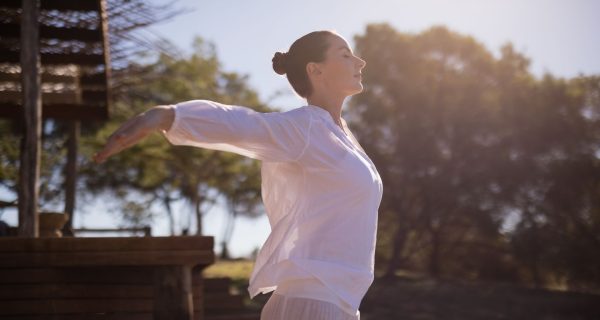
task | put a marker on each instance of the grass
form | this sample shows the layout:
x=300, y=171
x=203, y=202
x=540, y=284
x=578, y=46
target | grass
x=416, y=297
x=239, y=271
x=234, y=269
x=423, y=299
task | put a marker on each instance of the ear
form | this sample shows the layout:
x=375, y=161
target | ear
x=313, y=68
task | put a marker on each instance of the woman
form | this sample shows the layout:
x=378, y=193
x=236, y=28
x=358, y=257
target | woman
x=321, y=191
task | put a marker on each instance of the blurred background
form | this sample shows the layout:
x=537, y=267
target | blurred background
x=483, y=118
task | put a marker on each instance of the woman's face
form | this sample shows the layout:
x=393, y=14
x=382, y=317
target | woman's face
x=341, y=70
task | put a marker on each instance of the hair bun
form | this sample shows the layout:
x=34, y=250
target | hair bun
x=279, y=62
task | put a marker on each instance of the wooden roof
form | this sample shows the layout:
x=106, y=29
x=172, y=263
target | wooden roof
x=74, y=54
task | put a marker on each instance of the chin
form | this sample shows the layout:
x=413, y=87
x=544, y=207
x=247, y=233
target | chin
x=352, y=89
x=356, y=90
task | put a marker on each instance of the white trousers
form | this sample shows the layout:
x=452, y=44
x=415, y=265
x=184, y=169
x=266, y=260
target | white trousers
x=280, y=307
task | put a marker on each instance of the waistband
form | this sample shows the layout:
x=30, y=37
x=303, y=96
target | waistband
x=312, y=288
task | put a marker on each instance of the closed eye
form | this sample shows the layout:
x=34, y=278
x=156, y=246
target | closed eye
x=346, y=51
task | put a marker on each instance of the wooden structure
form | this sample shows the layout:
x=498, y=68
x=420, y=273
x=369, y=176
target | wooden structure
x=103, y=278
x=221, y=304
x=54, y=62
x=74, y=56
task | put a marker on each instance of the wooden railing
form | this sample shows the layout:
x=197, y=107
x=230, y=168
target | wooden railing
x=103, y=278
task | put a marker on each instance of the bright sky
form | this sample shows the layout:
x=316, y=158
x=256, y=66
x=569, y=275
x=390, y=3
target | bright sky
x=560, y=37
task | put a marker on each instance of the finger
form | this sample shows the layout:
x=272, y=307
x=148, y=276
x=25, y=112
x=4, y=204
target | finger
x=117, y=143
x=97, y=159
x=109, y=150
x=124, y=137
x=103, y=154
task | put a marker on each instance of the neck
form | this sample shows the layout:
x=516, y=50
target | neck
x=333, y=105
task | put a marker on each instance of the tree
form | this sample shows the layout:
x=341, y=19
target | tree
x=162, y=174
x=463, y=141
x=432, y=110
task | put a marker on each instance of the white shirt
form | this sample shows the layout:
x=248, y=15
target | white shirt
x=320, y=190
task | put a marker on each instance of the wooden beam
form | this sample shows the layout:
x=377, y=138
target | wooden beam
x=47, y=97
x=29, y=168
x=173, y=293
x=96, y=79
x=93, y=97
x=81, y=59
x=22, y=291
x=13, y=30
x=46, y=77
x=12, y=56
x=106, y=258
x=56, y=308
x=90, y=275
x=60, y=5
x=84, y=112
x=105, y=51
x=107, y=244
x=147, y=230
x=75, y=112
x=70, y=184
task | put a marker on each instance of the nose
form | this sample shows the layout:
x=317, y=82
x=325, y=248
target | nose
x=362, y=63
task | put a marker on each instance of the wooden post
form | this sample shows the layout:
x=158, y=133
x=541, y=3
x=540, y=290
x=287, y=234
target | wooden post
x=71, y=175
x=173, y=293
x=29, y=168
x=105, y=51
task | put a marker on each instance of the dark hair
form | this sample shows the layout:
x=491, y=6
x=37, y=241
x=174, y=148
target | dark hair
x=309, y=48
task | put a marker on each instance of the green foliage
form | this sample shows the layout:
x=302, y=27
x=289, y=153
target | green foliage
x=463, y=140
x=52, y=161
x=163, y=173
x=9, y=156
x=152, y=172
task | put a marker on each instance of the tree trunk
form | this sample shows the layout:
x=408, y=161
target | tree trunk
x=535, y=272
x=29, y=168
x=198, y=201
x=397, y=249
x=534, y=258
x=434, y=259
x=224, y=251
x=167, y=204
x=227, y=234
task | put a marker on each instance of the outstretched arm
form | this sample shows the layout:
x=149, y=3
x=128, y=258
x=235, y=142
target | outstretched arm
x=271, y=136
x=136, y=129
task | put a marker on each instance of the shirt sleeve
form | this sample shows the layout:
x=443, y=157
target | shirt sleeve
x=270, y=136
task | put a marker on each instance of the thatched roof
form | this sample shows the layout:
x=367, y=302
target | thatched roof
x=74, y=55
